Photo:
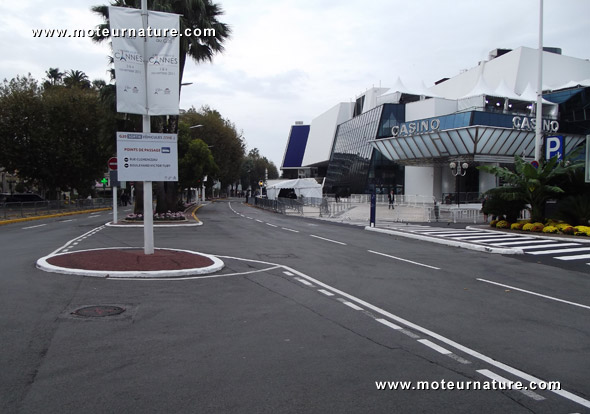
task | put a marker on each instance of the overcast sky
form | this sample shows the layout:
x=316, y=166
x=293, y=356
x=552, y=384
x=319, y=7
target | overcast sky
x=291, y=60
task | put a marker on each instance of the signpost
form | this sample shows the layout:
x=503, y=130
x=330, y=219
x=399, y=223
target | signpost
x=147, y=69
x=112, y=164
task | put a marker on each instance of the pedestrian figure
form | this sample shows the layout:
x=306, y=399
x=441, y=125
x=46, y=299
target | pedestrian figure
x=483, y=209
x=391, y=198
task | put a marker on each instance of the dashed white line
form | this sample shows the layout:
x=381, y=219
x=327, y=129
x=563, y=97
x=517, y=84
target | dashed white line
x=404, y=260
x=325, y=292
x=328, y=240
x=434, y=346
x=294, y=231
x=534, y=293
x=475, y=354
x=260, y=221
x=390, y=324
x=271, y=225
x=500, y=379
x=303, y=281
x=33, y=227
x=288, y=273
x=350, y=305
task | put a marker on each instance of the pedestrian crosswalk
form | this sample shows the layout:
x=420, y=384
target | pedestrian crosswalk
x=565, y=250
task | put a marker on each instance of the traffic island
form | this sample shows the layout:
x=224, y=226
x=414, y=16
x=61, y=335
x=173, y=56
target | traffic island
x=120, y=262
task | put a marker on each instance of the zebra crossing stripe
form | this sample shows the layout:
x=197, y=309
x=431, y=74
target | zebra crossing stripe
x=576, y=257
x=550, y=245
x=557, y=251
x=522, y=242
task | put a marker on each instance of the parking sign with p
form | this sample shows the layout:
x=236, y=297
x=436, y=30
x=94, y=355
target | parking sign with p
x=554, y=147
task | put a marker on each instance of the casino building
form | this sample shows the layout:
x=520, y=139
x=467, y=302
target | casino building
x=406, y=139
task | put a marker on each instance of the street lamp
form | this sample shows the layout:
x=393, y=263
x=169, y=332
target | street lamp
x=458, y=170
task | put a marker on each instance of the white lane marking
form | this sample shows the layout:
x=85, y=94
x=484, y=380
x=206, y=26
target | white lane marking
x=174, y=279
x=250, y=218
x=576, y=257
x=482, y=236
x=260, y=221
x=33, y=227
x=66, y=221
x=87, y=234
x=289, y=273
x=522, y=242
x=549, y=245
x=534, y=293
x=573, y=249
x=404, y=260
x=475, y=354
x=390, y=324
x=350, y=304
x=329, y=240
x=305, y=282
x=500, y=379
x=325, y=292
x=294, y=231
x=434, y=346
x=271, y=225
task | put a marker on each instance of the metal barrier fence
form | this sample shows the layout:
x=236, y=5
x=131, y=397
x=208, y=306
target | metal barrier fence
x=35, y=208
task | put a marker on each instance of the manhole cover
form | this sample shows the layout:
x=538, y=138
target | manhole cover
x=99, y=311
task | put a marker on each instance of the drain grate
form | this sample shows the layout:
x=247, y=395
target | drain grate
x=98, y=311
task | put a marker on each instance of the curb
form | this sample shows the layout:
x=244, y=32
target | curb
x=217, y=265
x=451, y=243
x=69, y=213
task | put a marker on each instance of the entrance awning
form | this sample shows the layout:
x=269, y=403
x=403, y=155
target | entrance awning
x=473, y=143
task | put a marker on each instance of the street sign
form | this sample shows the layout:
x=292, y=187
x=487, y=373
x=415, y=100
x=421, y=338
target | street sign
x=147, y=157
x=114, y=179
x=112, y=163
x=554, y=147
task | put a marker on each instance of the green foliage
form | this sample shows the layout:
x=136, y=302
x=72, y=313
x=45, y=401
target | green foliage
x=499, y=207
x=224, y=141
x=532, y=185
x=575, y=209
x=58, y=137
x=253, y=169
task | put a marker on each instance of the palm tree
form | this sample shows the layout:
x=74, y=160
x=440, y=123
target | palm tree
x=529, y=184
x=54, y=76
x=76, y=79
x=194, y=14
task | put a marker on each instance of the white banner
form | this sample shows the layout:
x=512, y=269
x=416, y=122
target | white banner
x=147, y=157
x=156, y=93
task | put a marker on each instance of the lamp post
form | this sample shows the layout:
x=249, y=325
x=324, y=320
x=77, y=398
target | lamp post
x=458, y=170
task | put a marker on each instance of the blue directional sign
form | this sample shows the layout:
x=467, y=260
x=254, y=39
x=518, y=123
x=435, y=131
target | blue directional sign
x=554, y=147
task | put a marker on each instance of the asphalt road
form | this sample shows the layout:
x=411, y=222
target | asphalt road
x=306, y=317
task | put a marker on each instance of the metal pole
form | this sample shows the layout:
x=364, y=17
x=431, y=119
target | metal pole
x=148, y=214
x=539, y=121
x=114, y=204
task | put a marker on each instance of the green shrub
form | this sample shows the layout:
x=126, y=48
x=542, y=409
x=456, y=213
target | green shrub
x=575, y=209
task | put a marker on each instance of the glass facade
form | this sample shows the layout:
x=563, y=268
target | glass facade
x=351, y=155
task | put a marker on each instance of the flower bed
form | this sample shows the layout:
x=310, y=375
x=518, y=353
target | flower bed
x=168, y=216
x=552, y=227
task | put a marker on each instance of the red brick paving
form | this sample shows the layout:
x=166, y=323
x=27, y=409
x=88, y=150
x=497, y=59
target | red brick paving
x=130, y=260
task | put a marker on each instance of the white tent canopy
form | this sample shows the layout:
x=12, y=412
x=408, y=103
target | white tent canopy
x=306, y=187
